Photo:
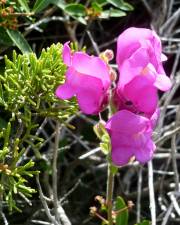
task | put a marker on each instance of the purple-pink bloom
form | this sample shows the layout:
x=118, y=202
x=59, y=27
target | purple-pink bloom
x=87, y=78
x=130, y=137
x=139, y=58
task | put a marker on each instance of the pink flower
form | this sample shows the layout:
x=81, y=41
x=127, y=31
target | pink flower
x=130, y=137
x=139, y=58
x=87, y=78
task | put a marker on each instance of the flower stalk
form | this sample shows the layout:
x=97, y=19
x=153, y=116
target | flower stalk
x=109, y=194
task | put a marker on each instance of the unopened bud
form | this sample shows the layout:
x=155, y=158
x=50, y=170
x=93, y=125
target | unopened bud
x=100, y=199
x=10, y=9
x=93, y=210
x=130, y=204
x=109, y=54
x=4, y=13
x=113, y=75
x=3, y=1
x=99, y=129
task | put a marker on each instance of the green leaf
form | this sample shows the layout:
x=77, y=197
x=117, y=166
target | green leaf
x=24, y=5
x=122, y=216
x=40, y=5
x=97, y=7
x=4, y=38
x=19, y=41
x=114, y=169
x=59, y=3
x=3, y=123
x=112, y=13
x=75, y=10
x=121, y=4
x=144, y=222
x=101, y=2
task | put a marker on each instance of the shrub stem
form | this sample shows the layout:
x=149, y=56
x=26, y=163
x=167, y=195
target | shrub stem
x=109, y=194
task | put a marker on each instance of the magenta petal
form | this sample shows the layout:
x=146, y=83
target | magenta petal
x=137, y=64
x=163, y=58
x=163, y=83
x=126, y=122
x=64, y=91
x=122, y=150
x=129, y=41
x=121, y=156
x=90, y=94
x=155, y=117
x=92, y=66
x=145, y=153
x=66, y=54
x=142, y=94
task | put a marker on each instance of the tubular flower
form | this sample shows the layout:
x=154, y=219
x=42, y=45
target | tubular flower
x=130, y=137
x=87, y=78
x=139, y=58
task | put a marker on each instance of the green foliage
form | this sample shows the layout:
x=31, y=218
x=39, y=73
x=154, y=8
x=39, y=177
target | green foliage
x=19, y=41
x=24, y=5
x=144, y=222
x=75, y=9
x=82, y=13
x=30, y=83
x=27, y=96
x=121, y=211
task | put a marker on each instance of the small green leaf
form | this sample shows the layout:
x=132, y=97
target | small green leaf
x=112, y=13
x=122, y=216
x=121, y=4
x=19, y=41
x=40, y=5
x=97, y=7
x=24, y=5
x=144, y=222
x=4, y=37
x=80, y=19
x=59, y=3
x=114, y=169
x=101, y=2
x=75, y=9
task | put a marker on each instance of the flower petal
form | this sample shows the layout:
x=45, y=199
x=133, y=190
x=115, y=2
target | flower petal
x=129, y=41
x=121, y=149
x=142, y=94
x=90, y=94
x=145, y=152
x=126, y=122
x=92, y=66
x=163, y=83
x=66, y=54
x=64, y=91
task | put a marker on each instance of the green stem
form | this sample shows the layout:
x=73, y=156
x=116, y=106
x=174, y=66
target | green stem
x=109, y=194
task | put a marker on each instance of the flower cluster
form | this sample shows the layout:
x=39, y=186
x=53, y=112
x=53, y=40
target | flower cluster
x=139, y=58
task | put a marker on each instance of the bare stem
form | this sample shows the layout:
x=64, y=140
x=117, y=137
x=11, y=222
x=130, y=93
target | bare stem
x=55, y=156
x=109, y=194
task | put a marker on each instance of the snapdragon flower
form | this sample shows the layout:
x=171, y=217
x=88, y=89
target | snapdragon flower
x=87, y=78
x=139, y=58
x=131, y=136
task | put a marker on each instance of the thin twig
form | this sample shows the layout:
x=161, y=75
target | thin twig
x=54, y=169
x=44, y=203
x=63, y=217
x=168, y=213
x=4, y=218
x=151, y=193
x=139, y=195
x=109, y=194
